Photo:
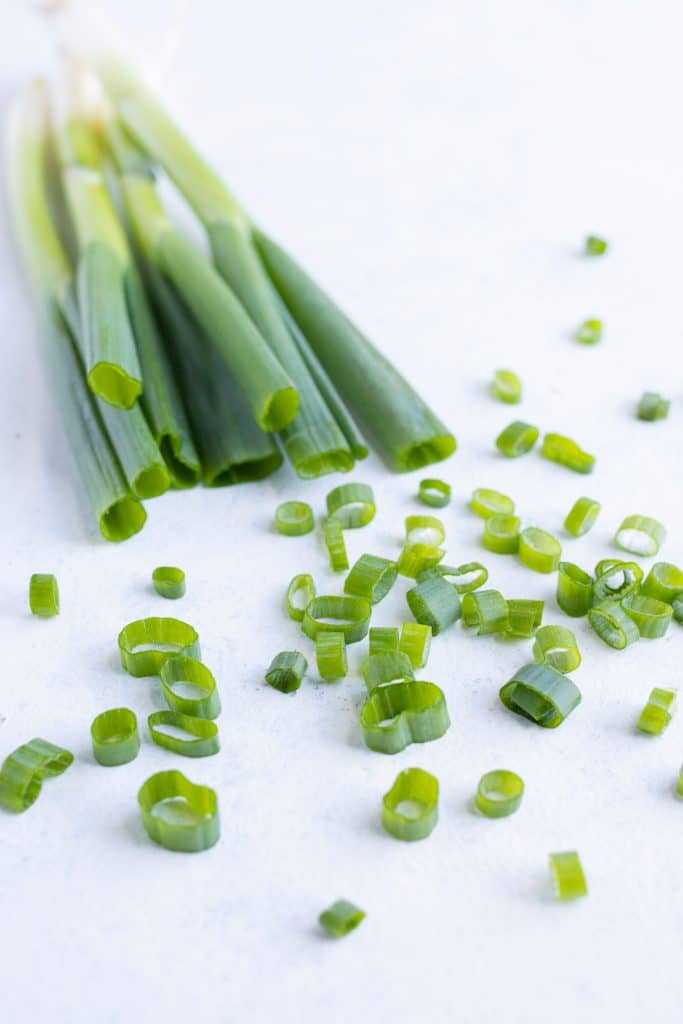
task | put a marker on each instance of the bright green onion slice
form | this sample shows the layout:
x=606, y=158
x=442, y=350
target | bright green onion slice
x=201, y=736
x=539, y=550
x=410, y=810
x=517, y=439
x=566, y=452
x=352, y=504
x=640, y=535
x=144, y=645
x=23, y=772
x=464, y=578
x=651, y=616
x=115, y=737
x=382, y=640
x=190, y=687
x=664, y=581
x=615, y=580
x=499, y=793
x=556, y=646
x=485, y=502
x=177, y=814
x=330, y=656
x=524, y=617
x=566, y=873
x=341, y=918
x=574, y=589
x=398, y=714
x=335, y=544
x=434, y=492
x=653, y=407
x=657, y=713
x=434, y=603
x=506, y=387
x=417, y=561
x=43, y=595
x=416, y=639
x=582, y=516
x=300, y=593
x=501, y=534
x=541, y=694
x=427, y=530
x=596, y=246
x=286, y=671
x=294, y=518
x=169, y=582
x=613, y=625
x=391, y=667
x=329, y=614
x=371, y=577
x=589, y=332
x=486, y=611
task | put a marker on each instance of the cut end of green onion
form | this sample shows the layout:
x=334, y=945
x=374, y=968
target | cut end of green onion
x=280, y=409
x=341, y=918
x=115, y=737
x=653, y=407
x=664, y=581
x=506, y=387
x=658, y=711
x=574, y=589
x=43, y=595
x=286, y=671
x=589, y=332
x=541, y=694
x=434, y=603
x=416, y=639
x=353, y=505
x=434, y=492
x=486, y=611
x=582, y=516
x=539, y=550
x=113, y=385
x=169, y=581
x=499, y=793
x=596, y=246
x=517, y=439
x=122, y=519
x=417, y=560
x=568, y=453
x=410, y=810
x=651, y=616
x=485, y=503
x=614, y=627
x=294, y=518
x=568, y=879
x=640, y=535
x=524, y=617
x=371, y=577
x=501, y=534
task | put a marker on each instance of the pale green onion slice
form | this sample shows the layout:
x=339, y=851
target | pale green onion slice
x=294, y=518
x=541, y=694
x=596, y=246
x=556, y=646
x=539, y=550
x=371, y=577
x=574, y=589
x=568, y=879
x=664, y=581
x=465, y=578
x=485, y=502
x=615, y=580
x=499, y=793
x=641, y=535
x=501, y=534
x=582, y=516
x=418, y=560
x=329, y=614
x=335, y=544
x=398, y=714
x=341, y=918
x=517, y=439
x=486, y=611
x=392, y=667
x=169, y=581
x=506, y=387
x=653, y=407
x=382, y=640
x=43, y=595
x=352, y=504
x=144, y=645
x=658, y=711
x=410, y=810
x=427, y=530
x=434, y=603
x=416, y=639
x=651, y=616
x=115, y=737
x=589, y=332
x=189, y=687
x=566, y=452
x=330, y=656
x=524, y=617
x=286, y=671
x=434, y=492
x=300, y=593
x=613, y=625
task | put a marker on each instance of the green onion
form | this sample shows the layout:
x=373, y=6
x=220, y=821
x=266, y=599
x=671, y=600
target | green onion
x=517, y=439
x=653, y=407
x=203, y=741
x=436, y=493
x=506, y=387
x=610, y=565
x=657, y=713
x=539, y=550
x=664, y=581
x=615, y=580
x=541, y=694
x=499, y=793
x=390, y=667
x=501, y=534
x=556, y=646
x=566, y=452
x=474, y=573
x=335, y=544
x=300, y=593
x=43, y=595
x=418, y=560
x=410, y=810
x=141, y=461
x=651, y=616
x=23, y=772
x=434, y=603
x=144, y=645
x=613, y=625
x=677, y=607
x=184, y=673
x=641, y=535
x=524, y=617
x=595, y=246
x=177, y=814
x=294, y=518
x=353, y=505
x=348, y=615
x=589, y=332
x=574, y=589
x=169, y=582
x=415, y=642
x=568, y=879
x=341, y=918
x=426, y=530
x=286, y=671
x=582, y=516
x=398, y=714
x=115, y=737
x=382, y=640
x=486, y=611
x=371, y=577
x=485, y=503
x=330, y=656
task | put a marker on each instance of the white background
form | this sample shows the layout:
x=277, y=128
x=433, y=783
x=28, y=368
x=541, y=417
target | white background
x=437, y=165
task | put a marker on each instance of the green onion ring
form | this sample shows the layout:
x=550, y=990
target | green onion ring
x=398, y=714
x=574, y=589
x=658, y=712
x=160, y=639
x=371, y=577
x=499, y=793
x=524, y=617
x=664, y=581
x=391, y=667
x=169, y=582
x=640, y=535
x=416, y=639
x=335, y=544
x=566, y=452
x=434, y=492
x=184, y=670
x=23, y=772
x=352, y=504
x=582, y=516
x=330, y=656
x=651, y=616
x=351, y=617
x=595, y=246
x=382, y=640
x=300, y=593
x=566, y=873
x=501, y=534
x=613, y=625
x=485, y=502
x=410, y=809
x=199, y=825
x=615, y=580
x=541, y=694
x=653, y=407
x=294, y=518
x=115, y=737
x=434, y=603
x=43, y=595
x=506, y=387
x=556, y=646
x=539, y=550
x=589, y=332
x=416, y=560
x=286, y=671
x=486, y=611
x=427, y=530
x=341, y=918
x=204, y=742
x=517, y=439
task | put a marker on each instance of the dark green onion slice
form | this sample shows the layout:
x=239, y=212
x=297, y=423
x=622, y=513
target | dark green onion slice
x=589, y=332
x=524, y=617
x=434, y=603
x=144, y=645
x=506, y=387
x=499, y=793
x=341, y=918
x=382, y=640
x=658, y=712
x=486, y=611
x=596, y=246
x=201, y=739
x=410, y=810
x=427, y=530
x=169, y=581
x=664, y=581
x=300, y=593
x=190, y=687
x=653, y=407
x=390, y=667
x=517, y=439
x=23, y=772
x=398, y=714
x=613, y=625
x=566, y=452
x=501, y=534
x=640, y=535
x=371, y=577
x=335, y=544
x=434, y=492
x=541, y=694
x=177, y=814
x=329, y=614
x=582, y=516
x=651, y=616
x=615, y=580
x=294, y=518
x=574, y=589
x=352, y=504
x=286, y=671
x=115, y=737
x=416, y=561
x=416, y=639
x=43, y=595
x=330, y=656
x=568, y=879
x=556, y=646
x=539, y=550
x=485, y=502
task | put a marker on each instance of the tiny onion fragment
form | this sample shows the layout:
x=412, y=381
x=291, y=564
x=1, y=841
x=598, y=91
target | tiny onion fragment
x=203, y=735
x=398, y=714
x=43, y=595
x=184, y=671
x=589, y=332
x=501, y=534
x=350, y=615
x=613, y=625
x=566, y=452
x=23, y=772
x=556, y=646
x=352, y=504
x=499, y=793
x=330, y=655
x=434, y=492
x=640, y=535
x=371, y=577
x=517, y=439
x=115, y=737
x=144, y=645
x=506, y=387
x=539, y=550
x=653, y=407
x=486, y=611
x=574, y=589
x=410, y=809
x=169, y=582
x=566, y=873
x=541, y=694
x=485, y=502
x=341, y=918
x=416, y=639
x=582, y=516
x=434, y=603
x=300, y=593
x=286, y=671
x=294, y=518
x=335, y=544
x=170, y=795
x=658, y=711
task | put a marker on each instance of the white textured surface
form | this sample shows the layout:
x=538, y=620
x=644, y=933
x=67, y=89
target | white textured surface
x=437, y=165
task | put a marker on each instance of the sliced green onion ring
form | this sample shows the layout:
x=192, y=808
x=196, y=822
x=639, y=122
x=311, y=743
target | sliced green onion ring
x=615, y=580
x=582, y=516
x=144, y=645
x=115, y=737
x=574, y=589
x=328, y=614
x=330, y=656
x=300, y=593
x=190, y=674
x=501, y=534
x=653, y=407
x=371, y=577
x=566, y=452
x=474, y=573
x=382, y=640
x=506, y=387
x=664, y=581
x=294, y=518
x=658, y=712
x=410, y=809
x=613, y=625
x=485, y=502
x=541, y=694
x=434, y=603
x=517, y=439
x=499, y=793
x=169, y=582
x=341, y=918
x=391, y=667
x=524, y=617
x=556, y=646
x=286, y=671
x=203, y=741
x=23, y=772
x=416, y=639
x=640, y=535
x=434, y=492
x=416, y=560
x=43, y=595
x=589, y=332
x=427, y=530
x=651, y=616
x=486, y=611
x=335, y=544
x=566, y=873
x=398, y=714
x=596, y=246
x=539, y=550
x=177, y=814
x=352, y=504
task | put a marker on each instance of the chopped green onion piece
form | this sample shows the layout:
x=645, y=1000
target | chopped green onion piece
x=341, y=918
x=664, y=581
x=335, y=544
x=300, y=593
x=613, y=625
x=474, y=573
x=501, y=534
x=641, y=535
x=427, y=530
x=589, y=332
x=556, y=646
x=524, y=617
x=115, y=737
x=485, y=503
x=330, y=656
x=541, y=694
x=347, y=615
x=43, y=595
x=653, y=407
x=436, y=493
x=371, y=577
x=398, y=714
x=615, y=580
x=499, y=793
x=286, y=671
x=658, y=711
x=595, y=246
x=506, y=387
x=204, y=739
x=568, y=879
x=190, y=687
x=434, y=603
x=294, y=518
x=574, y=589
x=382, y=640
x=177, y=814
x=23, y=771
x=391, y=667
x=539, y=550
x=416, y=639
x=486, y=611
x=566, y=452
x=582, y=516
x=169, y=582
x=418, y=560
x=651, y=616
x=517, y=439
x=678, y=610
x=352, y=504
x=410, y=810
x=144, y=645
